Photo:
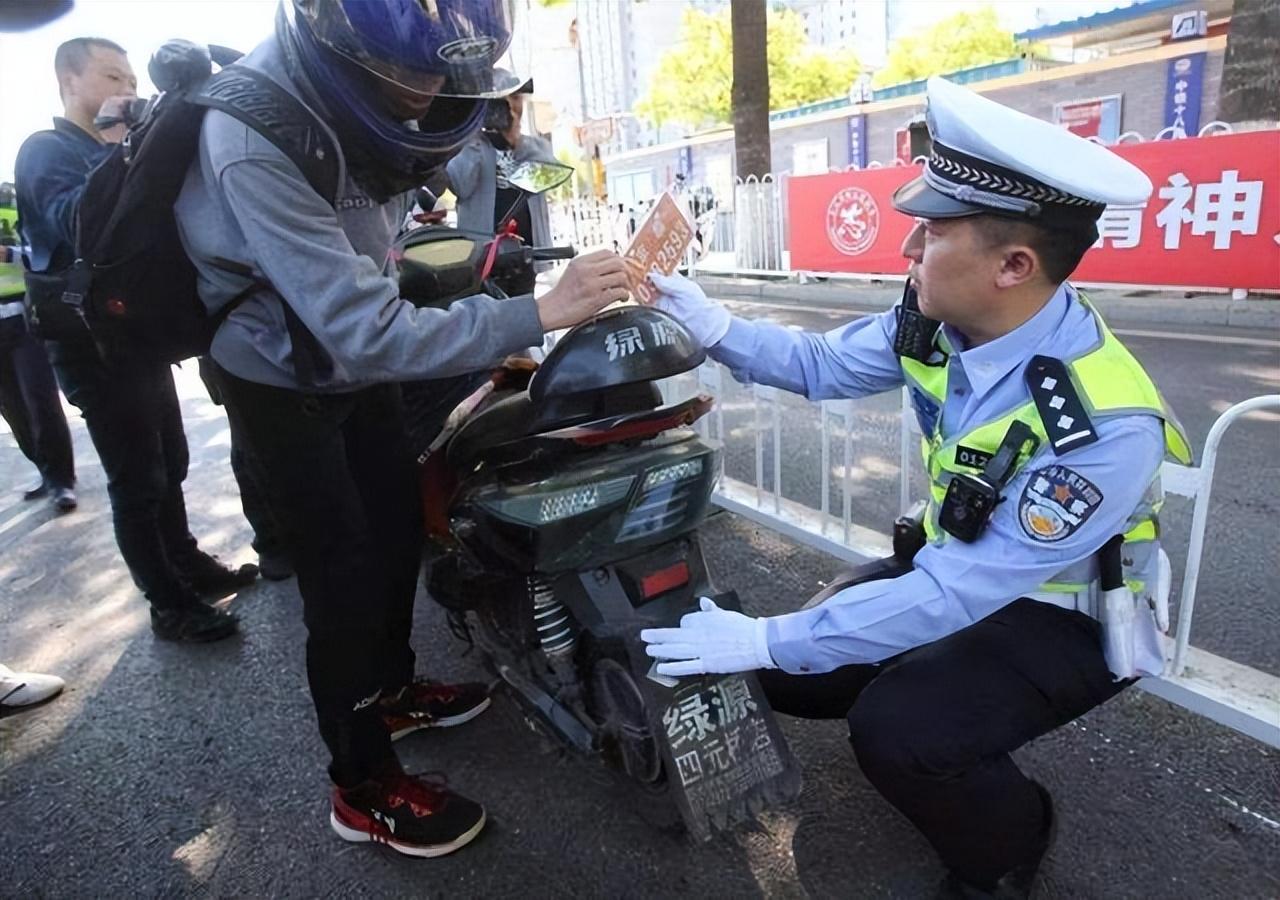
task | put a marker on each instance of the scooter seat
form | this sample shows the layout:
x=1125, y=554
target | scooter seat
x=519, y=415
x=503, y=421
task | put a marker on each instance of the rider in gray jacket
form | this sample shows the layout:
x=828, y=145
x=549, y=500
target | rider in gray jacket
x=400, y=88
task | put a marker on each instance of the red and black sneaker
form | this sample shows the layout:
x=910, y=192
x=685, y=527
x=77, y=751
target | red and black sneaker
x=429, y=704
x=408, y=813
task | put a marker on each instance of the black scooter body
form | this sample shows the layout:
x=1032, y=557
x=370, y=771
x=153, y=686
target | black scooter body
x=573, y=503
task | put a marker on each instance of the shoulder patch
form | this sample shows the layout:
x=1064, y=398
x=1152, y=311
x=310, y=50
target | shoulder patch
x=1056, y=502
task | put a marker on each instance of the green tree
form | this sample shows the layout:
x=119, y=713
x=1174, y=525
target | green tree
x=693, y=81
x=956, y=42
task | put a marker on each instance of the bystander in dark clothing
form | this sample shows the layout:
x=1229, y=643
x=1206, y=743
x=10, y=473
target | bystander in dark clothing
x=130, y=407
x=30, y=403
x=479, y=174
x=29, y=398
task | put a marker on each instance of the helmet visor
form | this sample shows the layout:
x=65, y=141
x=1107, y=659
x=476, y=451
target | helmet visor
x=444, y=48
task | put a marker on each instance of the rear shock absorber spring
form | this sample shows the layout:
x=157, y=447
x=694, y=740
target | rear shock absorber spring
x=556, y=628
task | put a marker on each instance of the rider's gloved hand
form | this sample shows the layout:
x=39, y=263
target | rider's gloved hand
x=706, y=319
x=713, y=640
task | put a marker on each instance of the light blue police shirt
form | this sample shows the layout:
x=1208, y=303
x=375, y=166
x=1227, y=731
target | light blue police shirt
x=953, y=584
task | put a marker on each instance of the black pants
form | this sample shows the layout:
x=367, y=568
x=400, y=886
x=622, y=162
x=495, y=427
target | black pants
x=30, y=403
x=933, y=728
x=250, y=477
x=133, y=416
x=344, y=489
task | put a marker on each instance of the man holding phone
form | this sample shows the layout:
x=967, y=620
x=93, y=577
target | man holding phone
x=479, y=175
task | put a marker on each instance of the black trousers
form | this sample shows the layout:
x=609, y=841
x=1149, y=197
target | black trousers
x=344, y=489
x=933, y=728
x=30, y=403
x=132, y=413
x=250, y=477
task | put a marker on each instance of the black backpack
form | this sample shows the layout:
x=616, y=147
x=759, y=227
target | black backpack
x=133, y=285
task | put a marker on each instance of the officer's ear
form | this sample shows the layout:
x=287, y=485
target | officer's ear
x=1014, y=245
x=1019, y=265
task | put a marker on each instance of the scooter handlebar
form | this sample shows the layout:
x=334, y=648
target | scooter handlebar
x=545, y=254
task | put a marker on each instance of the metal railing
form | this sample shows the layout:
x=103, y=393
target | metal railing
x=1197, y=483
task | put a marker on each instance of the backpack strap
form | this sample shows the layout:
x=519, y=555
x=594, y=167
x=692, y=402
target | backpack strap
x=253, y=98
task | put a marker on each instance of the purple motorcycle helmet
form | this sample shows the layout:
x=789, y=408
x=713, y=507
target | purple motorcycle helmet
x=403, y=81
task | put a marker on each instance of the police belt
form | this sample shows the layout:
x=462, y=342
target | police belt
x=1080, y=601
x=11, y=308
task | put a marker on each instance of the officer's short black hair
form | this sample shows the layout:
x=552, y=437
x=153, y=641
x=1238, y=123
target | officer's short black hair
x=72, y=55
x=1059, y=248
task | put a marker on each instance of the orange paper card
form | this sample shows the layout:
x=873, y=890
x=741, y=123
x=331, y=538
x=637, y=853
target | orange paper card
x=658, y=246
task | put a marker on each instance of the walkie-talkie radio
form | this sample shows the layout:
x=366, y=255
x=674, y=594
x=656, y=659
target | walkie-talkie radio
x=916, y=331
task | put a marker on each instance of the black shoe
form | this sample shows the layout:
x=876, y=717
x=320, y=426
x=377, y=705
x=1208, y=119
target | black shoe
x=195, y=623
x=407, y=813
x=275, y=566
x=1019, y=882
x=430, y=704
x=64, y=499
x=210, y=578
x=35, y=493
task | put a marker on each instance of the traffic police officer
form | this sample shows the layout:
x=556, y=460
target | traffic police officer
x=1043, y=439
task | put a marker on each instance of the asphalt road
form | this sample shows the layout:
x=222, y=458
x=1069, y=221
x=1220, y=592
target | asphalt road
x=172, y=771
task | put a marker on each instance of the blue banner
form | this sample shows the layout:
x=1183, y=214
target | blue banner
x=858, y=141
x=1182, y=95
x=684, y=165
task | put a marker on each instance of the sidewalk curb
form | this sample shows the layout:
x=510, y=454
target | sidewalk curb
x=1117, y=307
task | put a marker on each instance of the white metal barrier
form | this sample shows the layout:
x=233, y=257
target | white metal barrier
x=758, y=211
x=582, y=223
x=1233, y=694
x=1227, y=692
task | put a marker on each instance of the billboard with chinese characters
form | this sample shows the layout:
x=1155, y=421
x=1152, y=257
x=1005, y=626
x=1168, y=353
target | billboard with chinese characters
x=1213, y=218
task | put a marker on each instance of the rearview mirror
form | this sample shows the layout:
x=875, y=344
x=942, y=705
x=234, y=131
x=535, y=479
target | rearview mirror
x=539, y=177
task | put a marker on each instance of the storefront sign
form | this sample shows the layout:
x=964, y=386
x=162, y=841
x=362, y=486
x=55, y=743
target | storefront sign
x=1097, y=117
x=902, y=145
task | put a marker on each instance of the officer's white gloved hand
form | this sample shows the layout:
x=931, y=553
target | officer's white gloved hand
x=713, y=640
x=706, y=319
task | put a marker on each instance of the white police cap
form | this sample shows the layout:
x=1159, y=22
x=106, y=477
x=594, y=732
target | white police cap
x=988, y=158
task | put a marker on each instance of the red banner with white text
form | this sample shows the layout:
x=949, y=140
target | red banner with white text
x=1213, y=218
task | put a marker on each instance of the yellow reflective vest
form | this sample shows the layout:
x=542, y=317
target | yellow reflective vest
x=1111, y=383
x=11, y=282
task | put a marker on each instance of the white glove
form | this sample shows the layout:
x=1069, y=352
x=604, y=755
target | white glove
x=714, y=640
x=706, y=319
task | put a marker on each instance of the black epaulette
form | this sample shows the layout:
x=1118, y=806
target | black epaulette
x=1061, y=410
